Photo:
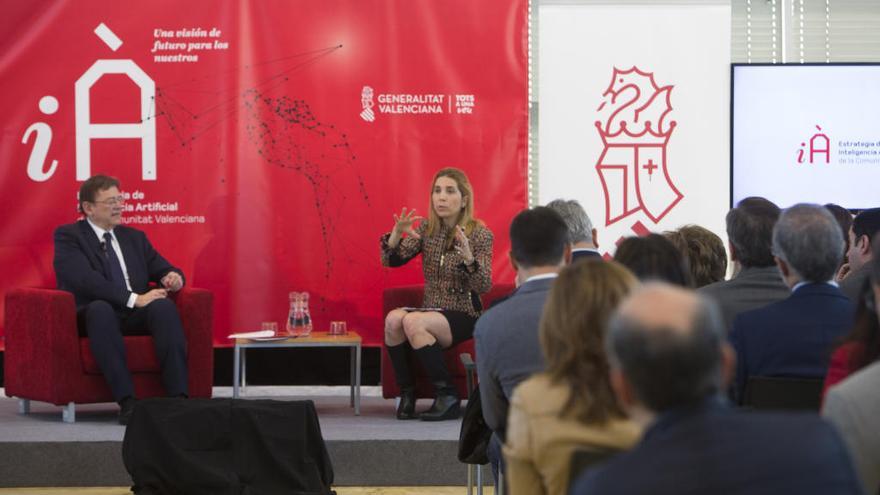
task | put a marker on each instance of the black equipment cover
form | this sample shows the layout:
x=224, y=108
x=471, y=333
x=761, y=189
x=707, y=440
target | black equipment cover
x=226, y=446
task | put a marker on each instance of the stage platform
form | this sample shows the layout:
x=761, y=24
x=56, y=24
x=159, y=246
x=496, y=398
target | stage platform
x=372, y=449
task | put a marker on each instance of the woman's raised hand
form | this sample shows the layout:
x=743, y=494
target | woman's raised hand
x=403, y=224
x=463, y=245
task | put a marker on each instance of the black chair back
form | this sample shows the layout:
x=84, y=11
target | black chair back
x=769, y=393
x=584, y=459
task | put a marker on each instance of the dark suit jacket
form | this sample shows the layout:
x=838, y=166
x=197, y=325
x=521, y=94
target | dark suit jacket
x=81, y=268
x=752, y=288
x=793, y=337
x=584, y=254
x=713, y=449
x=508, y=352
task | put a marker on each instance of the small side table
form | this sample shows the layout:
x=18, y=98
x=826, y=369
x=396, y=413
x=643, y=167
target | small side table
x=316, y=339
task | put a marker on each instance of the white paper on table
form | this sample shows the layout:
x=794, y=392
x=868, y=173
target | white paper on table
x=252, y=335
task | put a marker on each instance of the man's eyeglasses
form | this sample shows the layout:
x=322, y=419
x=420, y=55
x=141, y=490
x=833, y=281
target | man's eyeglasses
x=118, y=200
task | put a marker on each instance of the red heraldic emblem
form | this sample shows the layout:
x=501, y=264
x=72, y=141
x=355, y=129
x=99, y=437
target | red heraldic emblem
x=632, y=166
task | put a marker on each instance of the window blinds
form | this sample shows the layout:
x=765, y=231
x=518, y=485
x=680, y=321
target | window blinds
x=805, y=31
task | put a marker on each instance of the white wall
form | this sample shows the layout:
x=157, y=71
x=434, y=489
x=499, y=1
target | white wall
x=685, y=45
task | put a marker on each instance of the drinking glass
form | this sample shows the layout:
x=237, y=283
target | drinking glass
x=337, y=328
x=270, y=325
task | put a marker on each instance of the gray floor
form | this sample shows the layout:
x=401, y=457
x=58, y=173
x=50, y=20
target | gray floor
x=373, y=449
x=97, y=422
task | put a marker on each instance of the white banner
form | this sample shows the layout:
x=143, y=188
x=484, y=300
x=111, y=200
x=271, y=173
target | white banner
x=634, y=114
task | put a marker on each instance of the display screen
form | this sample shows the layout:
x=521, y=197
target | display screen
x=806, y=133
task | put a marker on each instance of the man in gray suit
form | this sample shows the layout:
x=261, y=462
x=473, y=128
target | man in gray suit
x=853, y=406
x=582, y=235
x=756, y=281
x=506, y=336
x=854, y=273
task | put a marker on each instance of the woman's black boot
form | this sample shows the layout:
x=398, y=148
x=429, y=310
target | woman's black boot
x=446, y=403
x=399, y=355
x=406, y=409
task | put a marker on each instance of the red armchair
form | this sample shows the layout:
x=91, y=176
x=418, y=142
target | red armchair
x=412, y=295
x=46, y=359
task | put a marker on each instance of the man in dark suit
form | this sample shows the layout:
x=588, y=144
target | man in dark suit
x=582, y=235
x=506, y=336
x=853, y=277
x=794, y=337
x=669, y=361
x=756, y=281
x=108, y=267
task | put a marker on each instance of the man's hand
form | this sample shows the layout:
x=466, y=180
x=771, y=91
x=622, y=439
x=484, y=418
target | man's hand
x=172, y=281
x=144, y=299
x=842, y=273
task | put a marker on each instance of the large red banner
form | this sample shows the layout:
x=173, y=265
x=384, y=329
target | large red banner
x=263, y=146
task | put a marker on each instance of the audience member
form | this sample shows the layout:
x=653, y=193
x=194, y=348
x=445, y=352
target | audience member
x=654, y=257
x=854, y=405
x=854, y=274
x=678, y=241
x=861, y=346
x=108, y=267
x=669, y=361
x=506, y=335
x=571, y=405
x=794, y=337
x=704, y=252
x=844, y=219
x=756, y=281
x=582, y=235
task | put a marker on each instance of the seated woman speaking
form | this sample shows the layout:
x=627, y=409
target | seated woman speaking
x=456, y=254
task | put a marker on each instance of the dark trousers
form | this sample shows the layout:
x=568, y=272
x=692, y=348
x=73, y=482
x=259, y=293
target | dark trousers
x=496, y=458
x=105, y=328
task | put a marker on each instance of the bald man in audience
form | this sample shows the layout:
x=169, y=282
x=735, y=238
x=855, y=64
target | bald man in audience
x=794, y=337
x=669, y=363
x=756, y=281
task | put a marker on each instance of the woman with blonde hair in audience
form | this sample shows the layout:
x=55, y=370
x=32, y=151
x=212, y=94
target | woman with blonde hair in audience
x=570, y=406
